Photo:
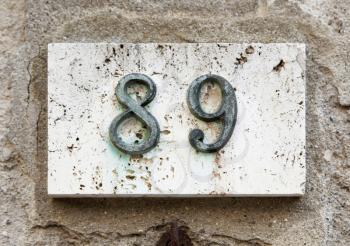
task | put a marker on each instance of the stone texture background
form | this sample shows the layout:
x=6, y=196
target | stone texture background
x=29, y=217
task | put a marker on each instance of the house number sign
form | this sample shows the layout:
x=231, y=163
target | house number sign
x=176, y=120
x=227, y=112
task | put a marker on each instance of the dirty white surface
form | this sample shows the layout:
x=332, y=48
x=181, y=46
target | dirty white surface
x=264, y=157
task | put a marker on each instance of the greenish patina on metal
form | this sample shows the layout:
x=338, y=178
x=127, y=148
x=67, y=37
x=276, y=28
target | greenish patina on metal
x=227, y=112
x=135, y=109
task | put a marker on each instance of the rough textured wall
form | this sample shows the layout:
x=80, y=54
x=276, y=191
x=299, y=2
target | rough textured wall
x=29, y=217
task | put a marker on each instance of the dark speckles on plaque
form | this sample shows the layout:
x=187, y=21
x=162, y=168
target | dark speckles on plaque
x=267, y=142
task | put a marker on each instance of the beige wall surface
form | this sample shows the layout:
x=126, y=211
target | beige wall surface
x=29, y=217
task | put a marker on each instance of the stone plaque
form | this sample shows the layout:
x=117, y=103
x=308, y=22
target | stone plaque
x=264, y=156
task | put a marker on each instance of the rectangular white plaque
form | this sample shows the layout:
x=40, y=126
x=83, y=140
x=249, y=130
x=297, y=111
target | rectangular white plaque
x=264, y=157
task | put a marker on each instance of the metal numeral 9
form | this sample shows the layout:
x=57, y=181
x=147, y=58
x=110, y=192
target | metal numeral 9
x=227, y=112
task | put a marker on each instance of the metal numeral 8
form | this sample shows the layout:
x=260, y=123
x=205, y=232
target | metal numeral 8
x=137, y=110
x=227, y=112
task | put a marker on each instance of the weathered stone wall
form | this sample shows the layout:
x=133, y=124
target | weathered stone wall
x=29, y=217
